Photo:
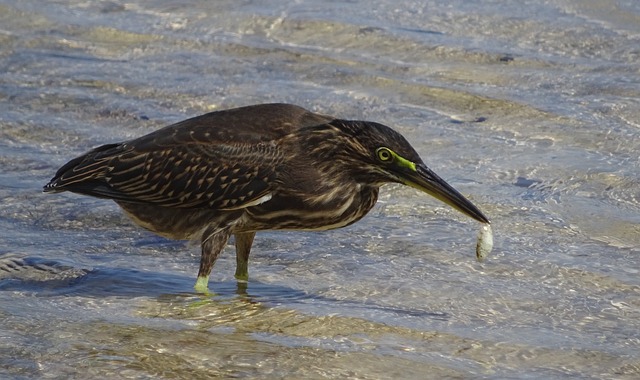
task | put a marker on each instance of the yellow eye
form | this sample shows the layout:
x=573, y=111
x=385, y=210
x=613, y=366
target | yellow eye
x=384, y=154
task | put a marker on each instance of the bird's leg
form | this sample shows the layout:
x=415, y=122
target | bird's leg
x=213, y=242
x=244, y=240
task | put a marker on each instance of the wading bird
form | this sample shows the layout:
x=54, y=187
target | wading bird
x=242, y=170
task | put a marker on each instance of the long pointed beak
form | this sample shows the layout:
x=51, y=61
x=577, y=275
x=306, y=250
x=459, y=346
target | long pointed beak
x=424, y=179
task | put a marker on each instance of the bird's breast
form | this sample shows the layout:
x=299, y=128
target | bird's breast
x=330, y=209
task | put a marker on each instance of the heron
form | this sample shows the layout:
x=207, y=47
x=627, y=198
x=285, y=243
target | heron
x=248, y=169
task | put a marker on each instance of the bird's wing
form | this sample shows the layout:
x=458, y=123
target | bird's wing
x=220, y=160
x=181, y=176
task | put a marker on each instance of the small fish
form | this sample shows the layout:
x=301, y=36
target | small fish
x=485, y=242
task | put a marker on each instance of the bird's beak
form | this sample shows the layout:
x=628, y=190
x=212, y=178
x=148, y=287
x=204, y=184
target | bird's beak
x=424, y=179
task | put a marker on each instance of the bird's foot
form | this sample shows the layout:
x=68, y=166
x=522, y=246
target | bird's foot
x=202, y=285
x=242, y=277
x=242, y=271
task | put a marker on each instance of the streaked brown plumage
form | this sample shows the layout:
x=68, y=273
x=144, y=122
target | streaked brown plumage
x=270, y=166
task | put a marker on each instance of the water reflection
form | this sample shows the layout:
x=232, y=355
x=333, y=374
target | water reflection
x=49, y=278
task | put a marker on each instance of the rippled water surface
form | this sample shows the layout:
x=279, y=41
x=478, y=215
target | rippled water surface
x=530, y=108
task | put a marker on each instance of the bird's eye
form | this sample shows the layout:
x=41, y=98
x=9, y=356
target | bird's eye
x=384, y=154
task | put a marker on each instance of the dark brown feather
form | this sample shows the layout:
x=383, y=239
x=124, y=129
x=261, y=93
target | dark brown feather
x=221, y=160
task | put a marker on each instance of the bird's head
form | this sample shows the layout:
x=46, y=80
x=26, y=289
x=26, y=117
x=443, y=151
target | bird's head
x=384, y=155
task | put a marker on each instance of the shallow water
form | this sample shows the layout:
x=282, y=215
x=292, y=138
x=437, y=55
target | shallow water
x=530, y=108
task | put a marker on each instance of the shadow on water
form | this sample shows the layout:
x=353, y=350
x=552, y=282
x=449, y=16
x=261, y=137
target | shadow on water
x=50, y=278
x=142, y=321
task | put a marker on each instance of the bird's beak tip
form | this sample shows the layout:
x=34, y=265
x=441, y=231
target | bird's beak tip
x=426, y=180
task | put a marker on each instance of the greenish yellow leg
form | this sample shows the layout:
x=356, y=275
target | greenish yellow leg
x=244, y=241
x=213, y=242
x=202, y=284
